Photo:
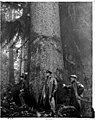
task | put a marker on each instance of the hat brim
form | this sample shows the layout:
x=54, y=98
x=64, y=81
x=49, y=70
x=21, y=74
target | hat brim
x=48, y=72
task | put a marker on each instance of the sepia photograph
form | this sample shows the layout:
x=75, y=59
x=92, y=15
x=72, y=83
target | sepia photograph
x=46, y=59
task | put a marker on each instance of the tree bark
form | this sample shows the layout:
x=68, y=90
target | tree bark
x=76, y=29
x=46, y=43
x=22, y=60
x=29, y=51
x=29, y=60
x=11, y=66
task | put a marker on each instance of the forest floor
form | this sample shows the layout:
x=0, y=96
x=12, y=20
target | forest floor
x=10, y=110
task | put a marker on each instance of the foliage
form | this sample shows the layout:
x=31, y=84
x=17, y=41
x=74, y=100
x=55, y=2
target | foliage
x=15, y=28
x=15, y=19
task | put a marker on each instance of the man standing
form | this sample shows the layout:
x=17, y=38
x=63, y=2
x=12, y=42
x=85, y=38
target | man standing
x=51, y=87
x=24, y=90
x=76, y=93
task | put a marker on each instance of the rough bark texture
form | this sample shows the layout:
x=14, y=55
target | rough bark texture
x=46, y=48
x=76, y=32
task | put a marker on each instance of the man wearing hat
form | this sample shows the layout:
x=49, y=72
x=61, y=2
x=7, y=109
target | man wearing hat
x=78, y=87
x=23, y=90
x=76, y=92
x=49, y=91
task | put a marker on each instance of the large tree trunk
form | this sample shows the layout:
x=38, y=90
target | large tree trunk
x=46, y=46
x=76, y=29
x=11, y=66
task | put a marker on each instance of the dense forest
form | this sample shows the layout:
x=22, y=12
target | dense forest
x=39, y=36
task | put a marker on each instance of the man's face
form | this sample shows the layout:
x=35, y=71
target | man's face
x=48, y=75
x=72, y=79
x=22, y=78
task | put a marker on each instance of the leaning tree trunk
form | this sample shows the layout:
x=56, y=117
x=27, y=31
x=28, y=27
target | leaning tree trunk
x=46, y=46
x=11, y=66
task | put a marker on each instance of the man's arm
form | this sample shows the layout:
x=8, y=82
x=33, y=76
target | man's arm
x=75, y=90
x=53, y=87
x=76, y=93
x=55, y=83
x=66, y=86
x=83, y=99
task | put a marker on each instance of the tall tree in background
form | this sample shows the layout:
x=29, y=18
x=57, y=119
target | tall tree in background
x=14, y=26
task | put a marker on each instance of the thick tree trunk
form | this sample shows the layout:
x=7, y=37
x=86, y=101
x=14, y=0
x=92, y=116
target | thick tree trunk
x=84, y=26
x=46, y=43
x=11, y=66
x=76, y=29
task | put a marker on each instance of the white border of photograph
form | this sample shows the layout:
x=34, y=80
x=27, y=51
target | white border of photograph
x=93, y=53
